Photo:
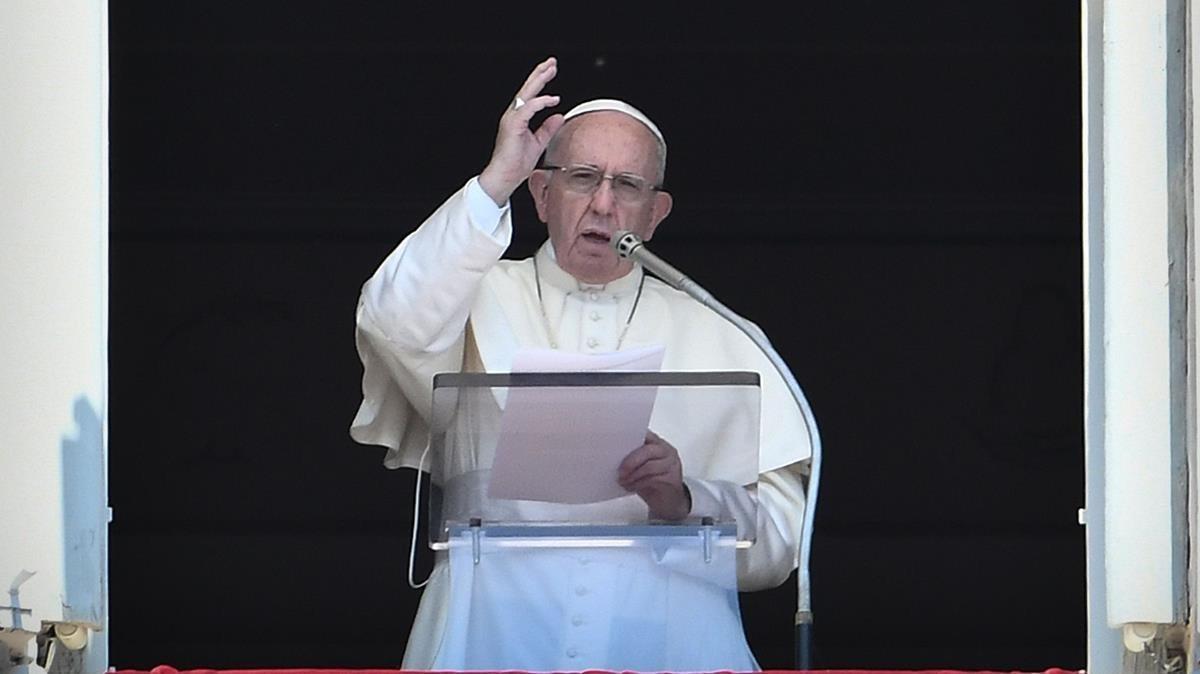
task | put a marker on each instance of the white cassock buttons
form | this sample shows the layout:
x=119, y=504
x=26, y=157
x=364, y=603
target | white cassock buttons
x=572, y=652
x=595, y=315
x=581, y=590
x=594, y=296
x=593, y=342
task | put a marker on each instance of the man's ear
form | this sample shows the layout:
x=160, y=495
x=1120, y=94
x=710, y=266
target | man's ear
x=539, y=186
x=659, y=211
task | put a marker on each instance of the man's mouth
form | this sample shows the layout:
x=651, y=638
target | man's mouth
x=597, y=237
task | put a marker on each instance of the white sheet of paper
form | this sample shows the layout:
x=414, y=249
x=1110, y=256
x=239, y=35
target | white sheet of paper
x=563, y=445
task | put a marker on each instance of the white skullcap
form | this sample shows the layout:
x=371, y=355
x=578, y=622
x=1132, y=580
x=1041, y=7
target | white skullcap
x=601, y=104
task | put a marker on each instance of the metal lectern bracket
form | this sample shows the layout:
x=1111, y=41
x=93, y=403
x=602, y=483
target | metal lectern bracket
x=706, y=532
x=476, y=526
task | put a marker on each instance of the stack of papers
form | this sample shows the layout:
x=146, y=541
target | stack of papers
x=564, y=444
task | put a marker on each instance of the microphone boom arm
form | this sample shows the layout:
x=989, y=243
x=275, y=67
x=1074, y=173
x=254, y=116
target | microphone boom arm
x=630, y=245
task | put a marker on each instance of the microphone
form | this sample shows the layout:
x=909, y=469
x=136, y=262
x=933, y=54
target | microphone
x=630, y=246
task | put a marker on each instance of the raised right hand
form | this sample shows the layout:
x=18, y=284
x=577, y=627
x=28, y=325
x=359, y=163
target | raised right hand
x=517, y=146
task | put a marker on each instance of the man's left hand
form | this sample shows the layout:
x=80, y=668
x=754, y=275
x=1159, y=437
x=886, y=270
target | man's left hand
x=655, y=473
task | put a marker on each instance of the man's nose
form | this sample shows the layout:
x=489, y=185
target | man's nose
x=603, y=199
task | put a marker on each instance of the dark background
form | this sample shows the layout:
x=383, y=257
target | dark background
x=891, y=189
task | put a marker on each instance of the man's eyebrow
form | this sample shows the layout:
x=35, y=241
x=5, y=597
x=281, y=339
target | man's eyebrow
x=584, y=164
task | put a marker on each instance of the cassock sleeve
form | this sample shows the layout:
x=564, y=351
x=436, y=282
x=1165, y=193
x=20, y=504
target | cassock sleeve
x=412, y=316
x=776, y=509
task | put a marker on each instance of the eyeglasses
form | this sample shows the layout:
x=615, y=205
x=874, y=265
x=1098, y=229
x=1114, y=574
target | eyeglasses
x=627, y=187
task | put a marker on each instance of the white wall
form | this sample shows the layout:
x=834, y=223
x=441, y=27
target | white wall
x=53, y=307
x=1137, y=387
x=1104, y=643
x=1137, y=409
x=1194, y=330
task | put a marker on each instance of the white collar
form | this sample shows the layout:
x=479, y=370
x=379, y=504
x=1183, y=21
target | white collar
x=553, y=275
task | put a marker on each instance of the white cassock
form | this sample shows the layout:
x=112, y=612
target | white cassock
x=446, y=280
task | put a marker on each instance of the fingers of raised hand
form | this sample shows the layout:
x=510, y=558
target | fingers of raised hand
x=528, y=102
x=529, y=108
x=541, y=74
x=549, y=127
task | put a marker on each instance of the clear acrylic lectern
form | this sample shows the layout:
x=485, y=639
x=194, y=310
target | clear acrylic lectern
x=540, y=537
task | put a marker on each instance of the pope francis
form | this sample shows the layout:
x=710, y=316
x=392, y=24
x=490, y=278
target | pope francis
x=445, y=301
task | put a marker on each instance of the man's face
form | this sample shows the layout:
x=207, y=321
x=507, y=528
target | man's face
x=581, y=224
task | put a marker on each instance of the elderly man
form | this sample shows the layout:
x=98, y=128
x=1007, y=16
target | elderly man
x=445, y=301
